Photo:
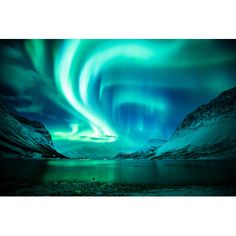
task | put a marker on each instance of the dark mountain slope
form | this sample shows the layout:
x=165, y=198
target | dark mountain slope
x=23, y=138
x=208, y=131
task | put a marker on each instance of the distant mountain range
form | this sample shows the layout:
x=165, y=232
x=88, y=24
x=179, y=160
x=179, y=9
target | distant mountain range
x=207, y=132
x=146, y=152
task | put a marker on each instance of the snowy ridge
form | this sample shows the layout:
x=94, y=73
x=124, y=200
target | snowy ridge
x=23, y=138
x=147, y=151
x=208, y=131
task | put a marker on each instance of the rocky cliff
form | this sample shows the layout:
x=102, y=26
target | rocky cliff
x=23, y=138
x=208, y=131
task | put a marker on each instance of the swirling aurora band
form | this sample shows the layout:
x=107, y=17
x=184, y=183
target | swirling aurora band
x=102, y=81
x=139, y=53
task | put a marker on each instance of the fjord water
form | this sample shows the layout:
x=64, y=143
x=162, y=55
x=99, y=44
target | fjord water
x=171, y=172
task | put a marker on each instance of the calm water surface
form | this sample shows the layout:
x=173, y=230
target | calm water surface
x=122, y=171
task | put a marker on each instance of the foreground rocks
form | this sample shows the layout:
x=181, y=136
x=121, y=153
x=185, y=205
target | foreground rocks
x=92, y=188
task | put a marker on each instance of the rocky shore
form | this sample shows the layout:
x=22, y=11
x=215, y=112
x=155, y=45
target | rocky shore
x=93, y=188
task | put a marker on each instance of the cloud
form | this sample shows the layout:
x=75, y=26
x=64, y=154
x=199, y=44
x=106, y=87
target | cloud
x=18, y=78
x=32, y=108
x=22, y=104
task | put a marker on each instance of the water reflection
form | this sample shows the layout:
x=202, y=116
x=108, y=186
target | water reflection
x=22, y=170
x=174, y=172
x=160, y=172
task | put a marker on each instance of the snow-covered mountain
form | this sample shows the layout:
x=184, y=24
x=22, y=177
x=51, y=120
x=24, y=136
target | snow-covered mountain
x=23, y=138
x=208, y=131
x=147, y=151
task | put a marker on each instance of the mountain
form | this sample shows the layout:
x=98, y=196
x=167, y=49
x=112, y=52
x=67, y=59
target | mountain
x=23, y=138
x=146, y=152
x=87, y=150
x=208, y=131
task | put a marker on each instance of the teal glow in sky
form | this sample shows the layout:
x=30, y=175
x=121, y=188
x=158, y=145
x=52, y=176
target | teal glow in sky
x=103, y=91
x=77, y=88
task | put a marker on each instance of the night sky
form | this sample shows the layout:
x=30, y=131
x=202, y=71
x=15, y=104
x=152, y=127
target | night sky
x=113, y=91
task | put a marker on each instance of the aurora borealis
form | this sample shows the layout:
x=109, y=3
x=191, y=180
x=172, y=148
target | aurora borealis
x=108, y=91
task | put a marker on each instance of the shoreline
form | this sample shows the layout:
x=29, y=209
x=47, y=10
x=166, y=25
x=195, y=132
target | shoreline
x=94, y=188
